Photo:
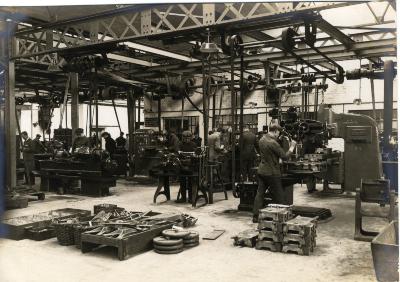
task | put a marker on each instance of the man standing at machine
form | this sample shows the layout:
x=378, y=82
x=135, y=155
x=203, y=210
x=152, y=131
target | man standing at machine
x=214, y=144
x=172, y=141
x=37, y=145
x=187, y=145
x=110, y=143
x=248, y=147
x=269, y=173
x=28, y=152
x=80, y=140
x=121, y=141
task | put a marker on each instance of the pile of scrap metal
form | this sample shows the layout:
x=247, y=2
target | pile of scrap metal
x=94, y=168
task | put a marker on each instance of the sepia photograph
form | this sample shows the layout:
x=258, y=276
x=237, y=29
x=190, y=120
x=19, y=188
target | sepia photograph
x=203, y=141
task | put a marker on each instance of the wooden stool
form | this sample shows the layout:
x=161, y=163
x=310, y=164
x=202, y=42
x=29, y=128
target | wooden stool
x=214, y=167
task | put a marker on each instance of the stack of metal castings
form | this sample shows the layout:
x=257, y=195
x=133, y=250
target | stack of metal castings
x=299, y=235
x=174, y=241
x=247, y=238
x=270, y=226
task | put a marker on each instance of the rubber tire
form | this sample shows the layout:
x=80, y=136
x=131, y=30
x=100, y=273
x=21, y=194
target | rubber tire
x=170, y=233
x=168, y=248
x=161, y=241
x=168, y=252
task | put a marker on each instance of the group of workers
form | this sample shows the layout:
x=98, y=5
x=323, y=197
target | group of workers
x=111, y=145
x=268, y=173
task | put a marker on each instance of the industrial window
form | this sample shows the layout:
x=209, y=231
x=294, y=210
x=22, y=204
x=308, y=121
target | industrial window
x=189, y=123
x=251, y=120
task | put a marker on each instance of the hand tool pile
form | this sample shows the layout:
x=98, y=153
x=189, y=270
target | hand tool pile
x=175, y=240
x=280, y=231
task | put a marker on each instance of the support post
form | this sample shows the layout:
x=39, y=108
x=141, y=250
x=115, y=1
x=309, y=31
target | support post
x=241, y=121
x=131, y=129
x=388, y=100
x=9, y=98
x=74, y=101
x=233, y=111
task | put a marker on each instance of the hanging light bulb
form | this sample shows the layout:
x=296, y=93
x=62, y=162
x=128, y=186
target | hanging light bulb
x=208, y=47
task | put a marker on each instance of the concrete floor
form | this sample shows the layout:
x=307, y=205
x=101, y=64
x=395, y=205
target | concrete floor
x=337, y=256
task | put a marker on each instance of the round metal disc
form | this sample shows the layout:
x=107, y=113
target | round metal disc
x=191, y=240
x=191, y=245
x=191, y=235
x=168, y=248
x=176, y=234
x=161, y=241
x=168, y=252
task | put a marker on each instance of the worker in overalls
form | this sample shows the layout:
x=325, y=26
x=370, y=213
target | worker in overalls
x=187, y=145
x=28, y=152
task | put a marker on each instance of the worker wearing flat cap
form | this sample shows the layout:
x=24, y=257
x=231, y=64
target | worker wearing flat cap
x=28, y=152
x=80, y=140
x=269, y=174
x=187, y=145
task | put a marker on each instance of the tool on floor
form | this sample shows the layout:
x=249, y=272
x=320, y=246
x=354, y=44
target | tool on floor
x=215, y=234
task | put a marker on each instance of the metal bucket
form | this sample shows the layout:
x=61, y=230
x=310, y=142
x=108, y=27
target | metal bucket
x=385, y=253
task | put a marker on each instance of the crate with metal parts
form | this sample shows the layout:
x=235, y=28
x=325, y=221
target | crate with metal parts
x=246, y=238
x=278, y=213
x=269, y=245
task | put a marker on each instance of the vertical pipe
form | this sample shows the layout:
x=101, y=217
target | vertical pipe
x=74, y=101
x=205, y=104
x=233, y=110
x=213, y=109
x=388, y=100
x=138, y=113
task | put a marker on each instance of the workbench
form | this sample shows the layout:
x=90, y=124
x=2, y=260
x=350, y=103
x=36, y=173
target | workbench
x=163, y=187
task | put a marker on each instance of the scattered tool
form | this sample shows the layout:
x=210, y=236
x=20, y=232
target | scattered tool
x=216, y=233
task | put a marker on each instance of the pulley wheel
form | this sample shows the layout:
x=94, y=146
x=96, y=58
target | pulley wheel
x=288, y=41
x=236, y=40
x=175, y=234
x=161, y=241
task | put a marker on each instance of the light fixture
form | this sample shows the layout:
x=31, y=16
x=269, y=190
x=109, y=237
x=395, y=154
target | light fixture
x=208, y=47
x=53, y=67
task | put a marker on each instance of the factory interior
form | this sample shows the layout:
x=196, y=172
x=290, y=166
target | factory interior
x=142, y=141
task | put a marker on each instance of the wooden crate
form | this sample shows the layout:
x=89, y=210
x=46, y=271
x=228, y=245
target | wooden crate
x=17, y=230
x=126, y=247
